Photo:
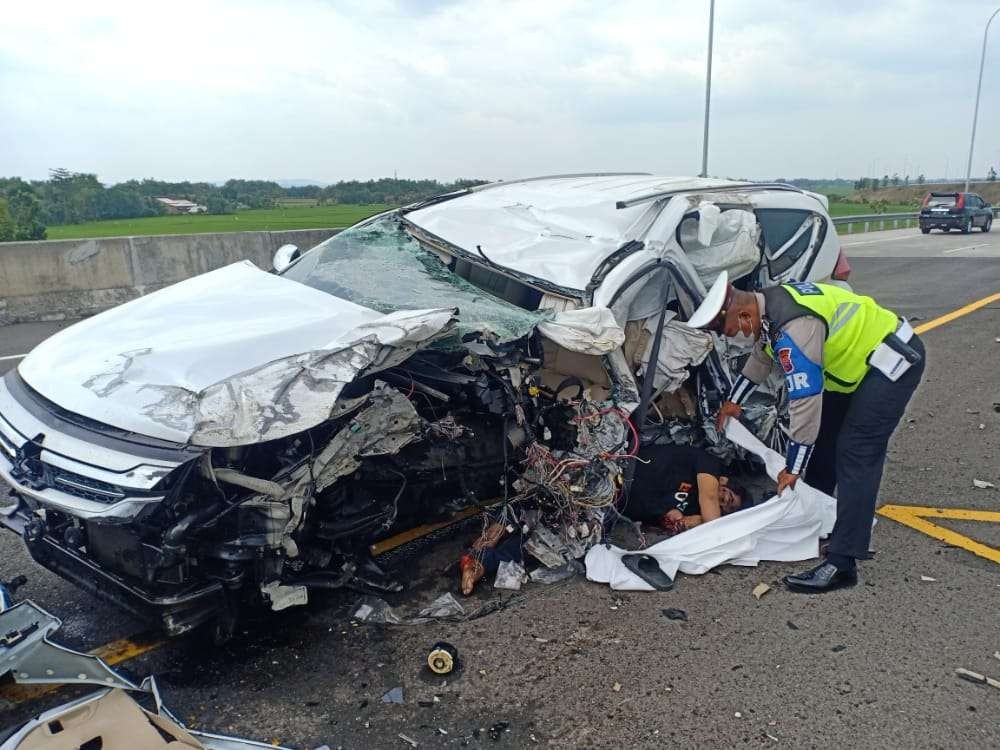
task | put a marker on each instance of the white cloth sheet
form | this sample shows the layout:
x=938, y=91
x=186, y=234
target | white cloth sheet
x=786, y=528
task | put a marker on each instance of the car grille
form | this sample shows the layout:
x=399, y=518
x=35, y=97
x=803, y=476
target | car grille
x=81, y=486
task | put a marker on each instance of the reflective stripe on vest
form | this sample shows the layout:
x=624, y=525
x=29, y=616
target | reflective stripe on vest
x=855, y=325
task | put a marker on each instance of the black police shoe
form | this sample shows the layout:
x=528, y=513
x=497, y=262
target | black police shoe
x=822, y=578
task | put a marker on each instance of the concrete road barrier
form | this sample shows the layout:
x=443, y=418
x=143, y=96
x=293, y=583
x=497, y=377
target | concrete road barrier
x=59, y=279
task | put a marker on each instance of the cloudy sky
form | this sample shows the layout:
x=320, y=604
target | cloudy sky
x=325, y=90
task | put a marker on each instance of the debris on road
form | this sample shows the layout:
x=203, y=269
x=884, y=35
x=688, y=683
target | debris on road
x=107, y=718
x=617, y=687
x=983, y=484
x=672, y=613
x=408, y=740
x=927, y=578
x=977, y=678
x=838, y=648
x=759, y=590
x=373, y=610
x=442, y=658
x=498, y=729
x=510, y=576
x=791, y=625
x=393, y=696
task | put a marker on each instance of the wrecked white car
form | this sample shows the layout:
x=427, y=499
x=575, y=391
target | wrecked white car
x=242, y=437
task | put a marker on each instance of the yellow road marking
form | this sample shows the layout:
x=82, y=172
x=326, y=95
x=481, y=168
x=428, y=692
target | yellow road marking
x=971, y=307
x=915, y=516
x=112, y=653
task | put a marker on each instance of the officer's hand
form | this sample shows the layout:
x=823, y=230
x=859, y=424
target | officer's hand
x=727, y=410
x=786, y=479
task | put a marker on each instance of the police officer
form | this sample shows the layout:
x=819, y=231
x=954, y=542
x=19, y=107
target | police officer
x=850, y=368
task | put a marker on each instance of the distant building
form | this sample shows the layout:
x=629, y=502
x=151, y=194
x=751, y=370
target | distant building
x=181, y=206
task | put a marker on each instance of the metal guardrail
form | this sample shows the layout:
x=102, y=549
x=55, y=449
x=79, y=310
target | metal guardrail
x=873, y=222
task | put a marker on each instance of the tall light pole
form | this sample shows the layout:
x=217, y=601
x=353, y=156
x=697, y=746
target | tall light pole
x=979, y=87
x=708, y=89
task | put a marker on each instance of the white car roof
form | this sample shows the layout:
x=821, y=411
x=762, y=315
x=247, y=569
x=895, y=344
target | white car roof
x=558, y=229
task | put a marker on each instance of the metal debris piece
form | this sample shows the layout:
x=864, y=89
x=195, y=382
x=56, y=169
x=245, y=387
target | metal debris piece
x=759, y=590
x=977, y=678
x=408, y=740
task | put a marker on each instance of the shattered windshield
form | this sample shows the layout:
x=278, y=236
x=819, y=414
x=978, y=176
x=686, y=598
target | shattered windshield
x=380, y=266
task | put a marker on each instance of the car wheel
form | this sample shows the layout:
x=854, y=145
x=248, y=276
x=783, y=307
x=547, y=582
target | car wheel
x=925, y=230
x=988, y=225
x=967, y=227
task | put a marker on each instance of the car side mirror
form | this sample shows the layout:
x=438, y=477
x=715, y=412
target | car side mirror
x=284, y=256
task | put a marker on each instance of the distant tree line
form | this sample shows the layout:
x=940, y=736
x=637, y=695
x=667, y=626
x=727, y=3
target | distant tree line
x=27, y=207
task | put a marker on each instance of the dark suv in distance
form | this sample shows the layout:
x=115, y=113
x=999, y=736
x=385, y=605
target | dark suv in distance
x=955, y=211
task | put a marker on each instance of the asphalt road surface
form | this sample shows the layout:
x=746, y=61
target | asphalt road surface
x=577, y=665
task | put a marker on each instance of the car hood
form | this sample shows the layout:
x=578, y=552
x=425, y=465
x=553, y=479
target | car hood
x=232, y=357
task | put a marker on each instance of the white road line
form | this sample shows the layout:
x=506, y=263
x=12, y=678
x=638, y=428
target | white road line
x=875, y=242
x=960, y=249
x=13, y=356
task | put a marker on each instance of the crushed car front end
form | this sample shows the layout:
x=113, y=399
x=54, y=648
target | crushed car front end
x=241, y=438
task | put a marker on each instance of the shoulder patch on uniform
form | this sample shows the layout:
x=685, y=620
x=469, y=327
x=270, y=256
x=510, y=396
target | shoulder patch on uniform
x=806, y=288
x=803, y=377
x=785, y=359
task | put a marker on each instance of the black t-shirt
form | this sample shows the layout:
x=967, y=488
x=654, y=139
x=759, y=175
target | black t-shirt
x=666, y=478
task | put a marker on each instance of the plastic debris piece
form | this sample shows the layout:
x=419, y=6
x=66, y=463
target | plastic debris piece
x=672, y=613
x=393, y=696
x=547, y=576
x=617, y=687
x=408, y=740
x=791, y=625
x=510, y=576
x=738, y=715
x=927, y=578
x=983, y=484
x=838, y=648
x=759, y=590
x=374, y=610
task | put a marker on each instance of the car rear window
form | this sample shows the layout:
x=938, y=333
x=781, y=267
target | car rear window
x=942, y=200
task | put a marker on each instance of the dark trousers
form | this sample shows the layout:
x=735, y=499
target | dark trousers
x=850, y=453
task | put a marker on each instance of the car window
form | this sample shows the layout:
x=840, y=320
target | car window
x=788, y=234
x=941, y=200
x=380, y=266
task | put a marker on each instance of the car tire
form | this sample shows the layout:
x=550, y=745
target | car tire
x=967, y=226
x=988, y=225
x=925, y=230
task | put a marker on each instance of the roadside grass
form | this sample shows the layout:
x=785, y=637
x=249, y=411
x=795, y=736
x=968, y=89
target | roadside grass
x=295, y=216
x=292, y=213
x=858, y=209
